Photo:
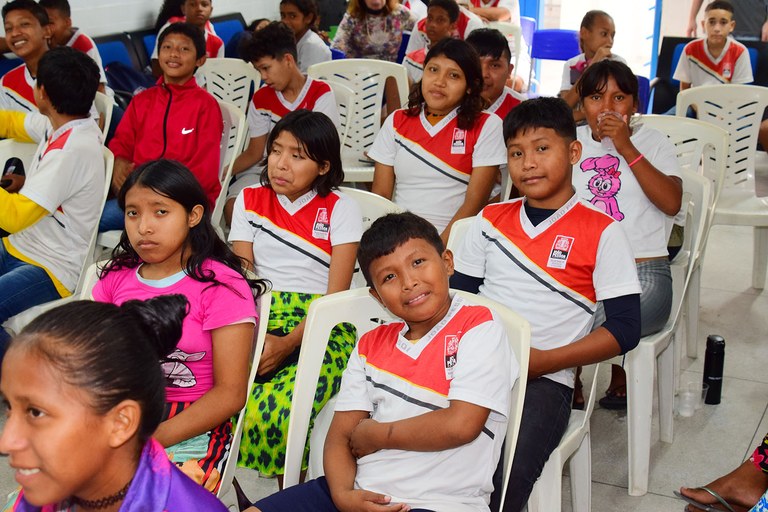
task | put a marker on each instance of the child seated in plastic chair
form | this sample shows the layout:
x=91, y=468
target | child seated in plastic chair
x=423, y=393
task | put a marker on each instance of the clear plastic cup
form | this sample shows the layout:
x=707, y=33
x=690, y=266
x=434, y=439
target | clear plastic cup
x=687, y=401
x=606, y=142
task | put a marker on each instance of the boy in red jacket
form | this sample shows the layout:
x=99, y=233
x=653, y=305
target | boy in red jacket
x=176, y=119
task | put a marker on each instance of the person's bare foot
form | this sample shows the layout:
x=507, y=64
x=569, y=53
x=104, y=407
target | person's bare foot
x=741, y=488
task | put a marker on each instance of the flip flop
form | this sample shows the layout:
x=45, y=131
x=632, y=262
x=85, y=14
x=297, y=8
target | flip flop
x=704, y=507
x=613, y=401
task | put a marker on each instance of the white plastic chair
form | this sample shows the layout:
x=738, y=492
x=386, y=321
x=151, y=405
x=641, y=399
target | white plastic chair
x=226, y=491
x=739, y=110
x=576, y=448
x=655, y=353
x=366, y=77
x=703, y=148
x=515, y=34
x=16, y=323
x=372, y=206
x=104, y=105
x=345, y=103
x=359, y=308
x=230, y=147
x=231, y=80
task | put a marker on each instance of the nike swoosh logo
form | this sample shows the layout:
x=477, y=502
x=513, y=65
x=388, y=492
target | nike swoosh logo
x=186, y=131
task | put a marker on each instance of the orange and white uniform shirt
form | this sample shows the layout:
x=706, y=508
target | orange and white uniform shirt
x=554, y=273
x=293, y=241
x=466, y=357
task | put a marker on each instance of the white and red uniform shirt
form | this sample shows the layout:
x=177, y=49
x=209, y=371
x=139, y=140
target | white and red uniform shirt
x=85, y=44
x=269, y=105
x=67, y=179
x=698, y=67
x=604, y=179
x=513, y=6
x=188, y=370
x=433, y=164
x=466, y=23
x=18, y=88
x=214, y=46
x=508, y=100
x=553, y=273
x=414, y=64
x=293, y=241
x=466, y=357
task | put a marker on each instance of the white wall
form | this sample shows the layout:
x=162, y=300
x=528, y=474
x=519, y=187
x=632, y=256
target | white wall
x=101, y=17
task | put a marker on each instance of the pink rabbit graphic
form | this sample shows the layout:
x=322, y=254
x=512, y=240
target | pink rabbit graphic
x=605, y=184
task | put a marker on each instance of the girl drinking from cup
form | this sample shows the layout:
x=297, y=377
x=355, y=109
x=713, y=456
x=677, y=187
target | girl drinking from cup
x=635, y=179
x=440, y=156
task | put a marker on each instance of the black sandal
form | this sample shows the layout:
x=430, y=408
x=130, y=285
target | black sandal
x=614, y=401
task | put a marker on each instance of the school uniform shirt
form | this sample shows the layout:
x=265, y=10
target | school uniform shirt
x=311, y=49
x=188, y=370
x=698, y=67
x=417, y=8
x=18, y=87
x=467, y=22
x=553, y=273
x=433, y=164
x=214, y=46
x=178, y=122
x=604, y=179
x=575, y=66
x=268, y=105
x=508, y=100
x=466, y=357
x=414, y=64
x=293, y=241
x=67, y=179
x=81, y=42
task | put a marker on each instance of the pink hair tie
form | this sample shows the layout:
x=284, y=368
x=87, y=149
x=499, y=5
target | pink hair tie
x=633, y=162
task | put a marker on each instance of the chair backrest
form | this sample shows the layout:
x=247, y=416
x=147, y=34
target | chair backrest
x=345, y=103
x=337, y=54
x=643, y=93
x=117, y=48
x=372, y=206
x=104, y=105
x=458, y=231
x=360, y=309
x=231, y=80
x=528, y=27
x=230, y=147
x=739, y=110
x=555, y=44
x=514, y=33
x=227, y=25
x=366, y=77
x=137, y=38
x=227, y=475
x=701, y=148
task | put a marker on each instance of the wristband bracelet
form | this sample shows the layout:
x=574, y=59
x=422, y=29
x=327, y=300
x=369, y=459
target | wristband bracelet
x=633, y=162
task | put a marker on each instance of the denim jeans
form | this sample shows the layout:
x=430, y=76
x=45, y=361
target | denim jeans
x=21, y=286
x=546, y=411
x=112, y=217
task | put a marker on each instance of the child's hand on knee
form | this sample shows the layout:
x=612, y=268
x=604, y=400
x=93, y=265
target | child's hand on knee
x=358, y=500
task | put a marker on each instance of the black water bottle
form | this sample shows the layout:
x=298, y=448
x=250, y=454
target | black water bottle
x=713, y=368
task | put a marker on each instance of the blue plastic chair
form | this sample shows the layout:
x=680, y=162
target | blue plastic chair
x=118, y=48
x=337, y=54
x=527, y=27
x=554, y=44
x=643, y=93
x=228, y=25
x=8, y=64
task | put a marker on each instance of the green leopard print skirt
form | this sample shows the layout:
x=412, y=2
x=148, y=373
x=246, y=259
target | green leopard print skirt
x=266, y=418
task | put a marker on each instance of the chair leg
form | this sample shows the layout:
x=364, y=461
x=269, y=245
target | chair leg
x=691, y=305
x=580, y=467
x=666, y=386
x=760, y=262
x=640, y=367
x=547, y=492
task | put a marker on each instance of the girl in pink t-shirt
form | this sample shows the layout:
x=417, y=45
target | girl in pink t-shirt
x=170, y=247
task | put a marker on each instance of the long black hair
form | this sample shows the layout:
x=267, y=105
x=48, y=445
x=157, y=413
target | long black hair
x=467, y=59
x=173, y=180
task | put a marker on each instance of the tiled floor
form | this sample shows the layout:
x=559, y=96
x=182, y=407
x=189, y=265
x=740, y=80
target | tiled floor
x=712, y=442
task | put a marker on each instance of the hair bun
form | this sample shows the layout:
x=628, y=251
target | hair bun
x=161, y=318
